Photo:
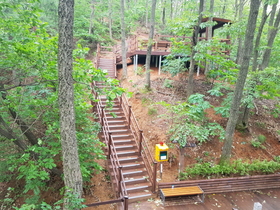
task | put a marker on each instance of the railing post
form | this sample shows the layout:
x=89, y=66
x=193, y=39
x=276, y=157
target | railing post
x=154, y=177
x=110, y=145
x=140, y=142
x=121, y=100
x=102, y=115
x=125, y=202
x=120, y=180
x=129, y=115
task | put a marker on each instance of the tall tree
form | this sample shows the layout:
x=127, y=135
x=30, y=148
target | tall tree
x=90, y=30
x=248, y=47
x=110, y=18
x=193, y=51
x=71, y=165
x=210, y=33
x=124, y=64
x=258, y=38
x=150, y=44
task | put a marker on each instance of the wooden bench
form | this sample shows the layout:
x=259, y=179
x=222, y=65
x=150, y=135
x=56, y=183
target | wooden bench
x=181, y=192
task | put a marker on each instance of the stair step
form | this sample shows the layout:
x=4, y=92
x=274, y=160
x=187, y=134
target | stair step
x=126, y=152
x=132, y=196
x=133, y=172
x=123, y=141
x=118, y=131
x=121, y=137
x=124, y=146
x=131, y=165
x=116, y=121
x=134, y=179
x=140, y=187
x=117, y=126
x=128, y=159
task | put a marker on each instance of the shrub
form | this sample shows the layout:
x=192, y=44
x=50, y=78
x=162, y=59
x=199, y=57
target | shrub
x=238, y=167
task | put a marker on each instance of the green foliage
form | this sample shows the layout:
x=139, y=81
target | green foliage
x=174, y=65
x=258, y=141
x=30, y=55
x=73, y=202
x=140, y=70
x=168, y=83
x=238, y=167
x=190, y=122
x=152, y=111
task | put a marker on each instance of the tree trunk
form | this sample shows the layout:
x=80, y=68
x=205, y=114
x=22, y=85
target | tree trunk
x=124, y=64
x=71, y=165
x=110, y=18
x=147, y=13
x=150, y=44
x=90, y=30
x=258, y=38
x=193, y=52
x=271, y=19
x=209, y=35
x=21, y=123
x=272, y=35
x=248, y=46
x=171, y=9
x=8, y=133
x=182, y=159
x=240, y=38
x=163, y=13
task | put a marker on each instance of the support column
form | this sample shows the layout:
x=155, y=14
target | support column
x=159, y=64
x=156, y=61
x=136, y=62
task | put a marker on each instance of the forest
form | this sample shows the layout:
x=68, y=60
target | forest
x=48, y=136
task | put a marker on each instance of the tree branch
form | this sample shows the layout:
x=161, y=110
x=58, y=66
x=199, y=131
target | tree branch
x=29, y=84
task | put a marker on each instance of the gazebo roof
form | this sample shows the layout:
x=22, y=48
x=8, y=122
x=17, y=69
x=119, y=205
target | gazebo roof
x=220, y=22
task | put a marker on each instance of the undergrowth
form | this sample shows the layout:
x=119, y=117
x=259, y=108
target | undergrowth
x=236, y=168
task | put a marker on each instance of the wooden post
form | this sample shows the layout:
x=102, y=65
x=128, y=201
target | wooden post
x=120, y=180
x=154, y=178
x=140, y=143
x=121, y=100
x=156, y=61
x=109, y=146
x=102, y=115
x=129, y=115
x=126, y=202
x=134, y=63
x=159, y=65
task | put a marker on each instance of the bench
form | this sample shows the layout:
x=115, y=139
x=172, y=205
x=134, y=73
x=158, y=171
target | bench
x=181, y=192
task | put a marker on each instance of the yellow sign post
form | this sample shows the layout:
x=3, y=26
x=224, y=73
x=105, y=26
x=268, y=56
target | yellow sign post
x=161, y=152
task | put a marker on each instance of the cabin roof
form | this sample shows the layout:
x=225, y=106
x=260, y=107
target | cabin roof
x=220, y=22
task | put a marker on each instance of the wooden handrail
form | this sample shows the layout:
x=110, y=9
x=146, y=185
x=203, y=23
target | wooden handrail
x=112, y=154
x=148, y=159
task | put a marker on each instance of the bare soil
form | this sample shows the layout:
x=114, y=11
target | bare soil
x=155, y=130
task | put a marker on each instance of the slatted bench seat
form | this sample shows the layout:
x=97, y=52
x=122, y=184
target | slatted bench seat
x=181, y=192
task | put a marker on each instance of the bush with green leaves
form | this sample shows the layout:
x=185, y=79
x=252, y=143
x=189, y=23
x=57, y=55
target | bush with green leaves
x=190, y=122
x=174, y=65
x=237, y=167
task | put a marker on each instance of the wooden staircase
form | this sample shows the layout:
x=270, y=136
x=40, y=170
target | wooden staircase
x=134, y=172
x=125, y=160
x=109, y=65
